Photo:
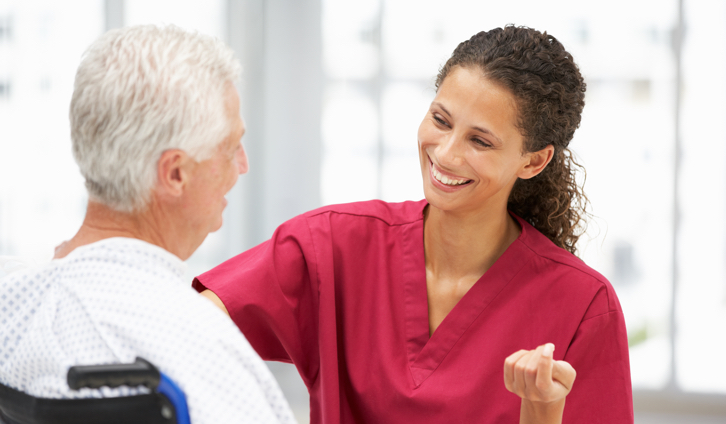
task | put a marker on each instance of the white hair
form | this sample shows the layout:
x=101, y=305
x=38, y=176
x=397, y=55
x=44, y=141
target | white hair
x=140, y=91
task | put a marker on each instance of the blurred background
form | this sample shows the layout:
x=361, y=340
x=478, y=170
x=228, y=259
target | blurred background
x=332, y=94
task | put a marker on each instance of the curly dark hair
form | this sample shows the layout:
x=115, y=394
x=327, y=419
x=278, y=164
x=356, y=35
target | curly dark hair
x=550, y=96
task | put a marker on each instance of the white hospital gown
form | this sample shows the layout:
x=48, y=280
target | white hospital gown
x=119, y=298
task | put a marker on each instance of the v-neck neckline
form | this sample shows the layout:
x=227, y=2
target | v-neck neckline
x=425, y=353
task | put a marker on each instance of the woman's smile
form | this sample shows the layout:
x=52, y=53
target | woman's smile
x=446, y=181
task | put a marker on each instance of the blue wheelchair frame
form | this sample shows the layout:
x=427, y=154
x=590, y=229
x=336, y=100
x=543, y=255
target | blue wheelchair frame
x=166, y=404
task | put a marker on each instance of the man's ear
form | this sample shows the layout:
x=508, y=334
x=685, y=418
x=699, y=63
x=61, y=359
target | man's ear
x=536, y=162
x=172, y=172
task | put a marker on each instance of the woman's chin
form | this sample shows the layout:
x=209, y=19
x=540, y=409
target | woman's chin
x=437, y=200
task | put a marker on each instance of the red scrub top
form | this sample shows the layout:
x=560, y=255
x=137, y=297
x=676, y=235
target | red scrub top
x=341, y=293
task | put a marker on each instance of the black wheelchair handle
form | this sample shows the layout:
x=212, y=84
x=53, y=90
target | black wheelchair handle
x=140, y=373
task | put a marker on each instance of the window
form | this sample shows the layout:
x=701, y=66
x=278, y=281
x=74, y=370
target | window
x=6, y=26
x=42, y=198
x=700, y=307
x=4, y=90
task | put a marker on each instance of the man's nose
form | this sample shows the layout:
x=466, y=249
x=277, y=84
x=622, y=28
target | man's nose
x=241, y=158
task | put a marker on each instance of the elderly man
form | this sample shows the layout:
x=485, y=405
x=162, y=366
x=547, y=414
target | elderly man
x=156, y=133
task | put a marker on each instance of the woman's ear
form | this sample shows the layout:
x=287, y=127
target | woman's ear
x=172, y=172
x=535, y=162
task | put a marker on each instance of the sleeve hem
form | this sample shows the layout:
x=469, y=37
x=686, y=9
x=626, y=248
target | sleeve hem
x=198, y=285
x=600, y=315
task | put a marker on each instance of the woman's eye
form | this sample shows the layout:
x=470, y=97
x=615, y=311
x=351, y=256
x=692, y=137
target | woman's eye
x=481, y=142
x=439, y=120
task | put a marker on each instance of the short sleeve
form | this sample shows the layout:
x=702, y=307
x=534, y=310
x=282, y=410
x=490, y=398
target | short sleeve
x=602, y=392
x=270, y=292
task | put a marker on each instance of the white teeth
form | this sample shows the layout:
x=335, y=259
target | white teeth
x=446, y=180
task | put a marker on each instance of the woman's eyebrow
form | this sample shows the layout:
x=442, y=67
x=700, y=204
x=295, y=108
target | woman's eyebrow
x=483, y=130
x=486, y=131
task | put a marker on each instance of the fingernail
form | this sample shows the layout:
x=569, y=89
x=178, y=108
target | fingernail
x=548, y=350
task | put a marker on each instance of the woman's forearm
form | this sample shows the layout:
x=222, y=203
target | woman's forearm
x=541, y=412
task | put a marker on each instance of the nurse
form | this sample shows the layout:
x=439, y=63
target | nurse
x=411, y=312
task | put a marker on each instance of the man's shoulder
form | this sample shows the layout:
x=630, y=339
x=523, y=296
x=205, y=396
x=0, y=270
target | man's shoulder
x=13, y=264
x=107, y=321
x=122, y=252
x=125, y=289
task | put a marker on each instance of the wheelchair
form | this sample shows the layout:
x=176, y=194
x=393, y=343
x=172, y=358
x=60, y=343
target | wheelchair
x=165, y=404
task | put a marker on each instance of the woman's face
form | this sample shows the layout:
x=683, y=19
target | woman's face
x=469, y=145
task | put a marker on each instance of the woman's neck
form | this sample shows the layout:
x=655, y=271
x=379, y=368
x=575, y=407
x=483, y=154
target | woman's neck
x=464, y=245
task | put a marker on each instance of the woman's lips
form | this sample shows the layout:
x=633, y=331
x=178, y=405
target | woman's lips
x=446, y=182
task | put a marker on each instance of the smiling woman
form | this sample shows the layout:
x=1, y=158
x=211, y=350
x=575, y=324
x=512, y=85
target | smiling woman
x=470, y=140
x=434, y=311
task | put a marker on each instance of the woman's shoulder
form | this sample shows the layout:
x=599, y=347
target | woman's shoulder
x=544, y=248
x=391, y=213
x=569, y=270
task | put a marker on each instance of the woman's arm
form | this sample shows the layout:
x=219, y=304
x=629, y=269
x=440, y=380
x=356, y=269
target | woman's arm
x=215, y=299
x=541, y=382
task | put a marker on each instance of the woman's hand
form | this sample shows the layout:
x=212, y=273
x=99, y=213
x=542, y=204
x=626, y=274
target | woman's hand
x=541, y=382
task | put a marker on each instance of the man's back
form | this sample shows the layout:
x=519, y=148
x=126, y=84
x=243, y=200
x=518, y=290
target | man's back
x=119, y=298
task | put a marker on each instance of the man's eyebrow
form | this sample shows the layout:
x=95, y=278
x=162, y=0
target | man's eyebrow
x=483, y=130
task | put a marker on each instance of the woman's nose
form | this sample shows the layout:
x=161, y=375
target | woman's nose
x=449, y=152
